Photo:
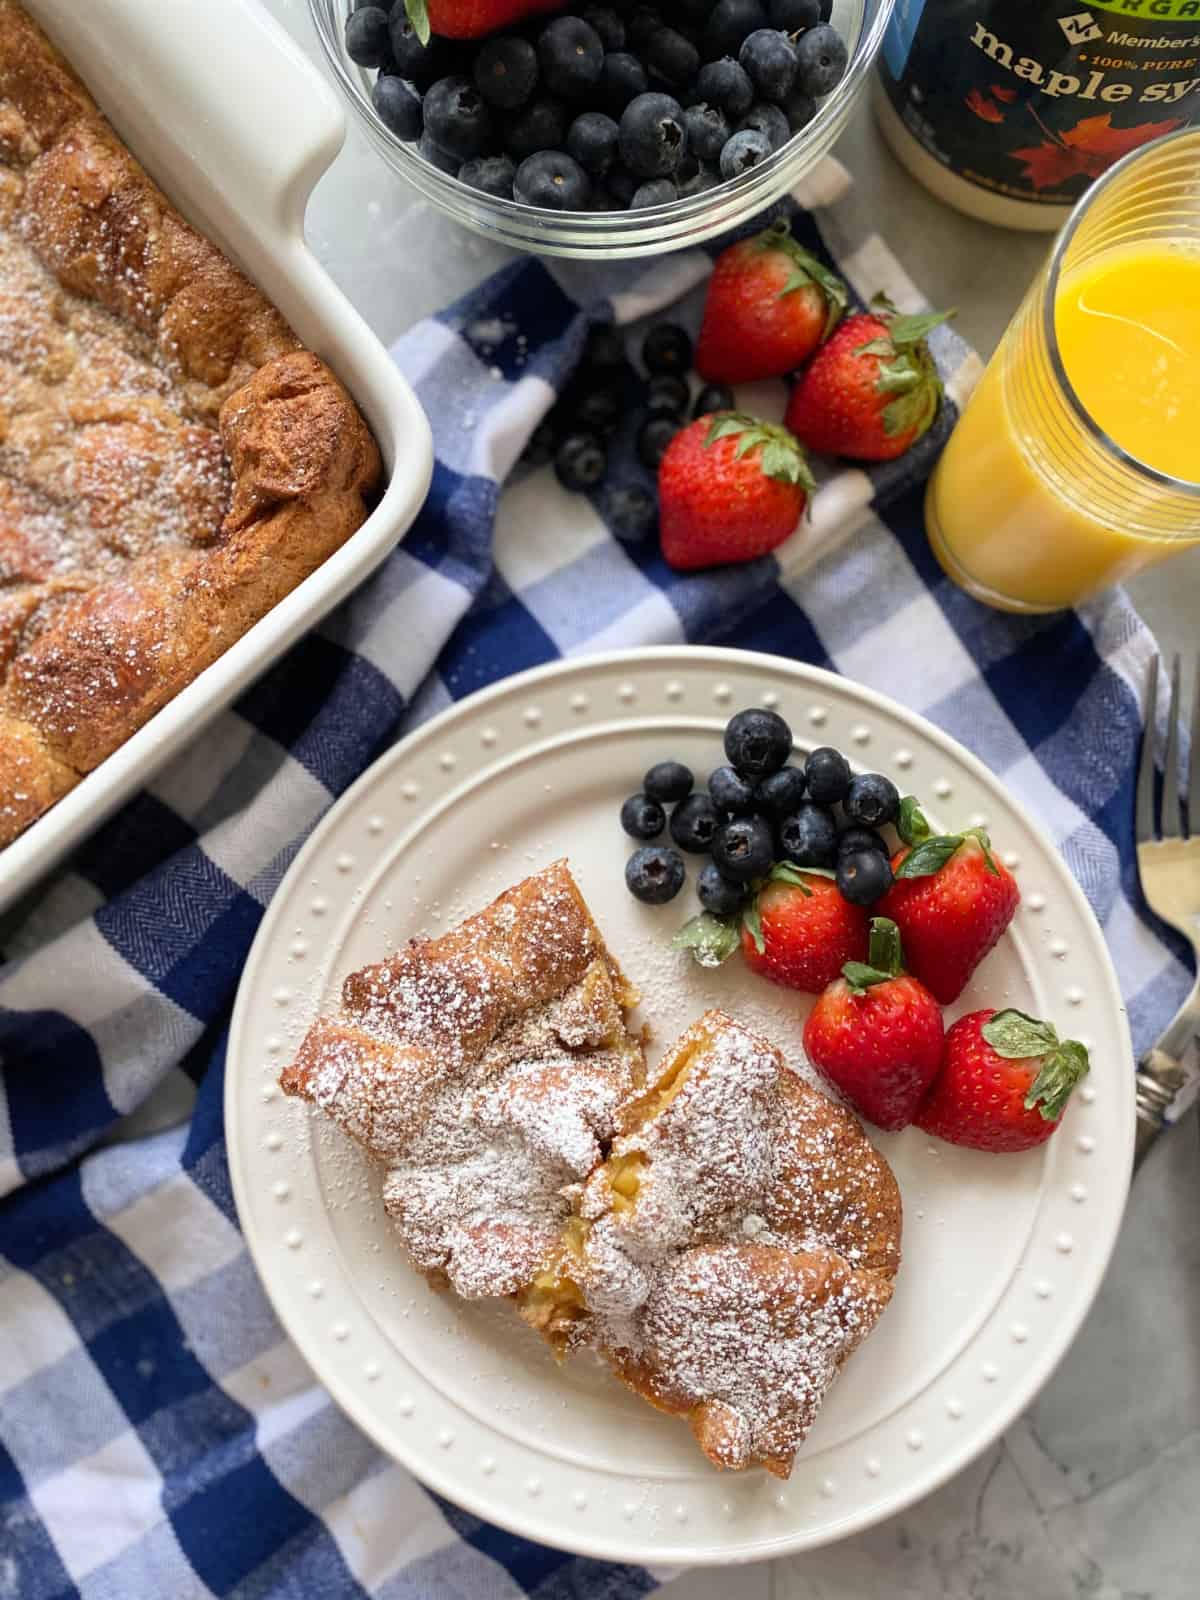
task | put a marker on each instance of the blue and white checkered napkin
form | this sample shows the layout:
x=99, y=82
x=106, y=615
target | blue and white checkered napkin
x=159, y=1436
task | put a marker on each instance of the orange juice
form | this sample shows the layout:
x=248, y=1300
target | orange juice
x=1009, y=506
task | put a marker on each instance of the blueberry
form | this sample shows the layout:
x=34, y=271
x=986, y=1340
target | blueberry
x=706, y=177
x=490, y=174
x=725, y=84
x=552, y=179
x=713, y=397
x=669, y=781
x=729, y=23
x=730, y=792
x=718, y=894
x=707, y=130
x=643, y=21
x=851, y=840
x=768, y=120
x=742, y=151
x=643, y=818
x=757, y=742
x=671, y=57
x=871, y=800
x=605, y=22
x=541, y=125
x=770, y=63
x=780, y=794
x=666, y=395
x=794, y=16
x=621, y=185
x=421, y=64
x=629, y=510
x=368, y=43
x=826, y=10
x=820, y=60
x=655, y=874
x=808, y=837
x=799, y=109
x=581, y=459
x=693, y=823
x=570, y=55
x=655, y=434
x=604, y=350
x=667, y=349
x=863, y=876
x=654, y=192
x=398, y=105
x=622, y=79
x=457, y=119
x=543, y=441
x=596, y=409
x=592, y=141
x=437, y=157
x=506, y=71
x=653, y=136
x=828, y=774
x=744, y=849
x=693, y=13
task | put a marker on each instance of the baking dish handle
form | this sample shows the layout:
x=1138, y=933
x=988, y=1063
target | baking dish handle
x=275, y=106
x=215, y=86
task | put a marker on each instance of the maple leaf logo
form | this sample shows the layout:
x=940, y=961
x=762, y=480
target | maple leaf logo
x=1086, y=150
x=984, y=105
x=984, y=108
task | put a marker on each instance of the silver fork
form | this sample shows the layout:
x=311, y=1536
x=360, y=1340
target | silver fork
x=1168, y=858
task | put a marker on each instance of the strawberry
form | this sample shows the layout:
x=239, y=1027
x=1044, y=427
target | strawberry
x=951, y=901
x=470, y=19
x=1004, y=1084
x=730, y=488
x=797, y=930
x=872, y=390
x=770, y=304
x=800, y=932
x=876, y=1033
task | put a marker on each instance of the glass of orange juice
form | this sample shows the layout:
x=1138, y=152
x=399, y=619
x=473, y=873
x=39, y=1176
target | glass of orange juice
x=1077, y=460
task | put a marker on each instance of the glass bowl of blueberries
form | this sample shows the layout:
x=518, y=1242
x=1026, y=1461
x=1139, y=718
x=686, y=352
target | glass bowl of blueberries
x=602, y=128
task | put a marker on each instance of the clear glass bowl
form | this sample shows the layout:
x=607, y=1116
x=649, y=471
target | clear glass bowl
x=647, y=232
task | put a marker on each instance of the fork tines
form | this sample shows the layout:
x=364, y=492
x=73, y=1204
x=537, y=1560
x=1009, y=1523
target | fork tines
x=1180, y=789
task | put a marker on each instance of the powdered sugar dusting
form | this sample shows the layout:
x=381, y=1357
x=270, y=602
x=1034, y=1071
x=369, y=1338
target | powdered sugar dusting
x=675, y=990
x=101, y=458
x=740, y=1242
x=485, y=1068
x=752, y=1337
x=724, y=1237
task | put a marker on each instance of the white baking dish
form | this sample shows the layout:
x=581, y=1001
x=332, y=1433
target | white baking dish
x=237, y=125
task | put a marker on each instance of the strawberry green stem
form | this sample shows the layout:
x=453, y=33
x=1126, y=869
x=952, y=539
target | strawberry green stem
x=1016, y=1036
x=884, y=958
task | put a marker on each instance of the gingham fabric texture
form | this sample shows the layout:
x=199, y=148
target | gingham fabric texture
x=159, y=1436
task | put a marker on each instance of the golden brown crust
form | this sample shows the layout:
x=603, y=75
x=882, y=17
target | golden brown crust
x=743, y=1340
x=485, y=1067
x=435, y=1008
x=735, y=1248
x=172, y=463
x=831, y=1184
x=725, y=1237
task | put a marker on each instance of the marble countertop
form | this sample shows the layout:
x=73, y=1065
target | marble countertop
x=1092, y=1495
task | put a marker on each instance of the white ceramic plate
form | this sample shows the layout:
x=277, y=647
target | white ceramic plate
x=1002, y=1254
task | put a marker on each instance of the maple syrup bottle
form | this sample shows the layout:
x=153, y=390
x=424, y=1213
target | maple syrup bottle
x=1008, y=109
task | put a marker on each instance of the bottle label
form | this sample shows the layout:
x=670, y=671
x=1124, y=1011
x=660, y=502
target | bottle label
x=1033, y=99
